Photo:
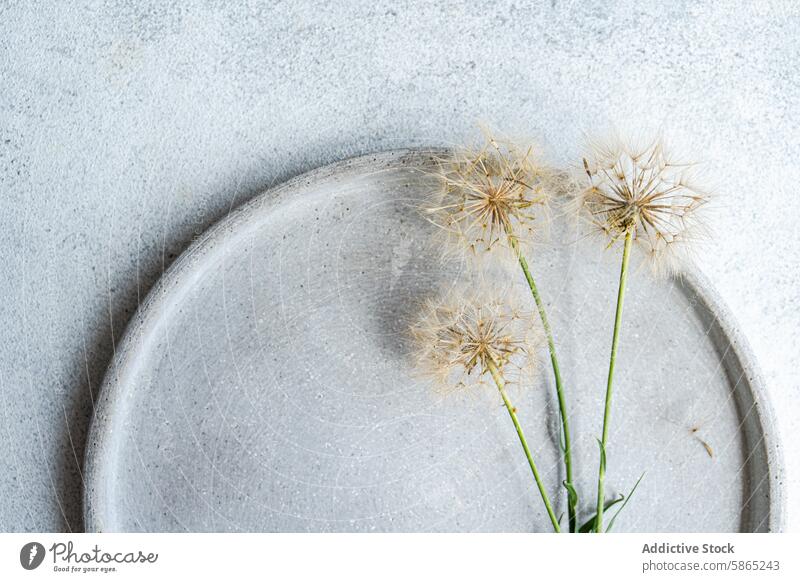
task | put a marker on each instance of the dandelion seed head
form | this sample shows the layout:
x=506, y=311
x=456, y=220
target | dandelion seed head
x=488, y=193
x=456, y=337
x=639, y=188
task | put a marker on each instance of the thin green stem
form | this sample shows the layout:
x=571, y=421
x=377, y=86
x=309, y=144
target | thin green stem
x=601, y=477
x=572, y=501
x=501, y=387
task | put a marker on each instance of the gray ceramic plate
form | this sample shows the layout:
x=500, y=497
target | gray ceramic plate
x=264, y=385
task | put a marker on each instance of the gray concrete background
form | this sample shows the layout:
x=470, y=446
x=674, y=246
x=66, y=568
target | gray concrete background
x=126, y=128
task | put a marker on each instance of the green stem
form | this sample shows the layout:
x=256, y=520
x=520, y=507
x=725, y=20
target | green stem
x=501, y=386
x=623, y=275
x=572, y=502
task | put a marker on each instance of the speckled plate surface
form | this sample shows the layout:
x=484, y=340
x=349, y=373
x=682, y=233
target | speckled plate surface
x=264, y=385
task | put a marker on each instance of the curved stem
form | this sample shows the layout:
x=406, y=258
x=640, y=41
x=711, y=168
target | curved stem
x=572, y=501
x=501, y=386
x=623, y=275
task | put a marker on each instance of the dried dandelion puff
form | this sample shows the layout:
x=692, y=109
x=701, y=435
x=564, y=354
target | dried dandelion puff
x=638, y=189
x=489, y=196
x=639, y=194
x=466, y=337
x=460, y=339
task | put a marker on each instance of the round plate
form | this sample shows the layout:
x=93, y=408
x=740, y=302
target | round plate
x=265, y=384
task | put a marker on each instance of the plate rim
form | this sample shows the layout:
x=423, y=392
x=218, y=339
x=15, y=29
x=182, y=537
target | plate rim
x=150, y=310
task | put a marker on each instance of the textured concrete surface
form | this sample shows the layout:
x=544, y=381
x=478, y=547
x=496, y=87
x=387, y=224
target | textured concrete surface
x=128, y=127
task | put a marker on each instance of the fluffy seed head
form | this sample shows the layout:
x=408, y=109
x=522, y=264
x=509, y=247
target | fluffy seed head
x=456, y=338
x=639, y=189
x=488, y=193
